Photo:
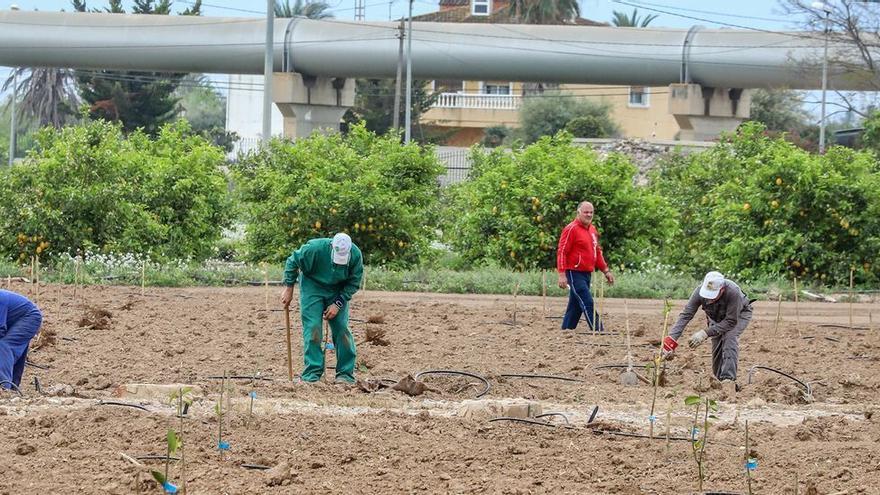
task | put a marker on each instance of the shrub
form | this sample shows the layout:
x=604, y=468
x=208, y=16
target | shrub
x=754, y=206
x=590, y=126
x=512, y=210
x=549, y=113
x=88, y=188
x=494, y=136
x=383, y=193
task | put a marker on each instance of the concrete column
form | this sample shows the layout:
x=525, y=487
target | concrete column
x=704, y=113
x=311, y=104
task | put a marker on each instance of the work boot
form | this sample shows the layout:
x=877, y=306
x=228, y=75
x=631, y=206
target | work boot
x=728, y=389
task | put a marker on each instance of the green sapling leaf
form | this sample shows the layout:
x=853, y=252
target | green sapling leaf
x=158, y=477
x=692, y=400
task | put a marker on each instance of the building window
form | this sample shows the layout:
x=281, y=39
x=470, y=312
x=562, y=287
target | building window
x=495, y=88
x=639, y=96
x=481, y=7
x=448, y=86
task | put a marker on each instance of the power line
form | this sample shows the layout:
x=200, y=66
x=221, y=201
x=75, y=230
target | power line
x=682, y=9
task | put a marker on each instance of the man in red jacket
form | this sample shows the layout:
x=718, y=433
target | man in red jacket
x=577, y=257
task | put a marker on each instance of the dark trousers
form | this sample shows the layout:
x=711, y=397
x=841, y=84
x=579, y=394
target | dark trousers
x=580, y=301
x=14, y=347
x=725, y=349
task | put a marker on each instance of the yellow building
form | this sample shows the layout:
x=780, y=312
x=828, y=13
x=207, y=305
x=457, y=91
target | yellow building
x=465, y=108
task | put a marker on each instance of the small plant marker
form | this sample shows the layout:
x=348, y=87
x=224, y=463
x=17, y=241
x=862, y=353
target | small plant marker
x=851, y=297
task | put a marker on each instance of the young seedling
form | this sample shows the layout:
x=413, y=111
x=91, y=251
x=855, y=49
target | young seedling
x=751, y=463
x=658, y=360
x=705, y=407
x=252, y=395
x=218, y=410
x=628, y=377
x=174, y=443
x=183, y=400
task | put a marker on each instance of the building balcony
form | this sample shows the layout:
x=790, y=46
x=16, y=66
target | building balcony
x=478, y=101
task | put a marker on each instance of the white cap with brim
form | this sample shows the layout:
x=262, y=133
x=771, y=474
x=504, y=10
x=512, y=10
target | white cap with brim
x=341, y=248
x=713, y=282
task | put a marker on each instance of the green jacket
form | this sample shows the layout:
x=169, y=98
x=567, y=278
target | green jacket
x=314, y=261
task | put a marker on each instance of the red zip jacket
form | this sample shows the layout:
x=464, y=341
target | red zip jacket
x=579, y=249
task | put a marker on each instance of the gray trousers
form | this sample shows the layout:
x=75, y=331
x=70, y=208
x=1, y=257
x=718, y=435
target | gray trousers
x=725, y=348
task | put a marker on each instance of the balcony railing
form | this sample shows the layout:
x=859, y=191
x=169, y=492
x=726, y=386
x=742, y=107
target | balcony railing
x=479, y=101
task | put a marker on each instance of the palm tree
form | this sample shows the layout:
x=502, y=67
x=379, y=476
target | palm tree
x=47, y=95
x=622, y=20
x=544, y=11
x=313, y=9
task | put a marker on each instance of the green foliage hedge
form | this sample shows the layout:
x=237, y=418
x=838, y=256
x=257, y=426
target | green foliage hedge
x=513, y=209
x=754, y=206
x=382, y=193
x=88, y=188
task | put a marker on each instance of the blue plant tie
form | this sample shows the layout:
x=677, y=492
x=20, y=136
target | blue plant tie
x=253, y=394
x=329, y=346
x=752, y=464
x=652, y=418
x=223, y=445
x=169, y=487
x=695, y=432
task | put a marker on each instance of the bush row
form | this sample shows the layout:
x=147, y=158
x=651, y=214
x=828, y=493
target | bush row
x=752, y=206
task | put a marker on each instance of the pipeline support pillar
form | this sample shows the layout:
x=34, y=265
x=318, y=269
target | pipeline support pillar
x=311, y=104
x=703, y=113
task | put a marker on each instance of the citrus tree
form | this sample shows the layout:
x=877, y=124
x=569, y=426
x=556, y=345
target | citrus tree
x=381, y=192
x=89, y=188
x=756, y=206
x=514, y=207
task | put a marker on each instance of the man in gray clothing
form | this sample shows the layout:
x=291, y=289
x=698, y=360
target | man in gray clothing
x=728, y=313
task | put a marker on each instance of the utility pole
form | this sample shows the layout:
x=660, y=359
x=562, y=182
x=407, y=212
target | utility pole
x=398, y=82
x=268, y=70
x=408, y=120
x=359, y=10
x=827, y=10
x=13, y=123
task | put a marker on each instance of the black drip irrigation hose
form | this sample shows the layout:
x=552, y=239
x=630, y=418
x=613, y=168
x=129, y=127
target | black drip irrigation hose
x=593, y=414
x=240, y=377
x=600, y=431
x=847, y=327
x=553, y=415
x=462, y=373
x=610, y=366
x=546, y=377
x=523, y=420
x=255, y=466
x=13, y=387
x=156, y=457
x=123, y=404
x=808, y=390
x=35, y=365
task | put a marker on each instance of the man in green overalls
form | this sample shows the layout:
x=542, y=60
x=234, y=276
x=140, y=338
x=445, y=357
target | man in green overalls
x=329, y=272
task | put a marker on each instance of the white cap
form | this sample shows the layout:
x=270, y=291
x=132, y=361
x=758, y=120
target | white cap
x=712, y=284
x=341, y=248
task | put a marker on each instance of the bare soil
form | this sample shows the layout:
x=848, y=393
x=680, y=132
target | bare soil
x=328, y=438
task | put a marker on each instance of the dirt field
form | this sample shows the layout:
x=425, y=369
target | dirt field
x=328, y=438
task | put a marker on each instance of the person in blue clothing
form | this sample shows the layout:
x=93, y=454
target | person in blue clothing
x=20, y=321
x=329, y=272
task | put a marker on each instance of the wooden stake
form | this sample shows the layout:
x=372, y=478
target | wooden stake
x=143, y=277
x=797, y=309
x=778, y=315
x=37, y=277
x=870, y=322
x=544, y=290
x=364, y=285
x=515, y=292
x=75, y=278
x=668, y=424
x=32, y=278
x=266, y=285
x=747, y=457
x=289, y=356
x=851, y=297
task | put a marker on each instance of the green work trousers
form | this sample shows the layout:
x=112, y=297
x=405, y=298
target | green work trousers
x=313, y=301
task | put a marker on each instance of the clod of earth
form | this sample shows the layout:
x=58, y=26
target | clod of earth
x=376, y=336
x=411, y=386
x=96, y=318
